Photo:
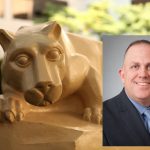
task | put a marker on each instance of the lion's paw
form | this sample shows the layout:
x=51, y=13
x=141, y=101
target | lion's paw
x=12, y=116
x=92, y=115
x=13, y=110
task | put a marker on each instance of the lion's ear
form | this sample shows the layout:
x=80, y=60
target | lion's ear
x=5, y=38
x=52, y=29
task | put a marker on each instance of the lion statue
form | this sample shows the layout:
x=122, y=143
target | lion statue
x=43, y=65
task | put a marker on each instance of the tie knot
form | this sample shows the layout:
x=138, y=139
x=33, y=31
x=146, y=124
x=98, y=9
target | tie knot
x=147, y=113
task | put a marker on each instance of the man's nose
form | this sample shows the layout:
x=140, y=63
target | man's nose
x=43, y=86
x=143, y=73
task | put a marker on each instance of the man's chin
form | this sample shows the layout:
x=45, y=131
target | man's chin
x=143, y=99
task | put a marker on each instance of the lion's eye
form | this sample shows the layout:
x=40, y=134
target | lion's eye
x=53, y=55
x=22, y=60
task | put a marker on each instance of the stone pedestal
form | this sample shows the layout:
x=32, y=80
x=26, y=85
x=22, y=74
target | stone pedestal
x=50, y=131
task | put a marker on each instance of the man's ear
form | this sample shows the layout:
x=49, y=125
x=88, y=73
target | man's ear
x=121, y=74
x=53, y=30
x=5, y=38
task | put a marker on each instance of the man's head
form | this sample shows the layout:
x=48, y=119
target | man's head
x=135, y=72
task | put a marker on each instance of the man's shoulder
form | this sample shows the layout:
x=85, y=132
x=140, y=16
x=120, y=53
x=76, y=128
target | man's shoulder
x=112, y=100
x=115, y=101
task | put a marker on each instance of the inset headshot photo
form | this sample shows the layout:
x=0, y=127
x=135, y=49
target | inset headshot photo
x=126, y=90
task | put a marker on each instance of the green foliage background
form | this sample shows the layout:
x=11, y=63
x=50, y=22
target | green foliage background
x=101, y=17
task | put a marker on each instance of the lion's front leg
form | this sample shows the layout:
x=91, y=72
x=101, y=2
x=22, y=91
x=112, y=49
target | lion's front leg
x=92, y=114
x=91, y=95
x=13, y=109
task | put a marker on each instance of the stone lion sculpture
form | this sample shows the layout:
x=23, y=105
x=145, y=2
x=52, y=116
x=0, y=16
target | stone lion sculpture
x=43, y=65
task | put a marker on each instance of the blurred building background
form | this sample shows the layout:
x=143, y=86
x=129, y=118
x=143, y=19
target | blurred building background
x=87, y=17
x=15, y=13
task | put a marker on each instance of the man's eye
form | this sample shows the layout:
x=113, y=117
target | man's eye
x=22, y=60
x=135, y=67
x=148, y=67
x=53, y=55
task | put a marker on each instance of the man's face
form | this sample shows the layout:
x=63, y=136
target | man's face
x=135, y=73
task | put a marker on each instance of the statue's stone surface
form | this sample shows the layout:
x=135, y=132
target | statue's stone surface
x=52, y=81
x=50, y=131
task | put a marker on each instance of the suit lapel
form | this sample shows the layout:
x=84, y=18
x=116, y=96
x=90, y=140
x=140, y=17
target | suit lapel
x=132, y=120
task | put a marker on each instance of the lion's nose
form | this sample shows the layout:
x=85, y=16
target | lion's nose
x=43, y=86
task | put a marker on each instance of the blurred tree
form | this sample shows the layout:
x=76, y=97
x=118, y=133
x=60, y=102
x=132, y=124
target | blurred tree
x=50, y=10
x=135, y=19
x=101, y=18
x=96, y=20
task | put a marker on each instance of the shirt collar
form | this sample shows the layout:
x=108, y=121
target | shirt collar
x=141, y=109
x=138, y=106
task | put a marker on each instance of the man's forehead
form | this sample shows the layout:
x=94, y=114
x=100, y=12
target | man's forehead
x=137, y=60
x=137, y=47
x=137, y=53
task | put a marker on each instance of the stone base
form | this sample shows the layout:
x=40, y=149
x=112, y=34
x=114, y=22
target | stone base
x=50, y=131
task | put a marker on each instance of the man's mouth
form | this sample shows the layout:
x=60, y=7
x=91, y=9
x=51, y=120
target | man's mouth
x=142, y=83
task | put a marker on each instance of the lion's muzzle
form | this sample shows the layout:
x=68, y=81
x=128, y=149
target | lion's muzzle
x=42, y=94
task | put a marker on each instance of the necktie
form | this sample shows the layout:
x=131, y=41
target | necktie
x=147, y=119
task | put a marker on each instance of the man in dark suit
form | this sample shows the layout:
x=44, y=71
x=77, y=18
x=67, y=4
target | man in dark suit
x=126, y=117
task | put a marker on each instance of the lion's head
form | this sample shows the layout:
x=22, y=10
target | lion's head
x=34, y=62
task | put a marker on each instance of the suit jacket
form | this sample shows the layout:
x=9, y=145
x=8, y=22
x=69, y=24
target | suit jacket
x=122, y=123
